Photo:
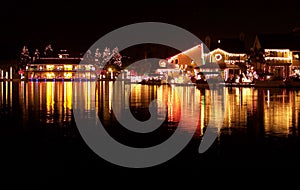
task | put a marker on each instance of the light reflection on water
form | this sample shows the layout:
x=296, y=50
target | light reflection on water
x=265, y=112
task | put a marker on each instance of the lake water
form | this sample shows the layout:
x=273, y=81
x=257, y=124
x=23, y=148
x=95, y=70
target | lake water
x=260, y=127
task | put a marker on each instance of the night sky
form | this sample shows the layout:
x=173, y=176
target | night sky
x=77, y=25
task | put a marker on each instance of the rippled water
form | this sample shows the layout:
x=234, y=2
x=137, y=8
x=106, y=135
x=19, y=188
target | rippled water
x=258, y=123
x=275, y=111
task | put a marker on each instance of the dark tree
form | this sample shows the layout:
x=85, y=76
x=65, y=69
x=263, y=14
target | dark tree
x=256, y=59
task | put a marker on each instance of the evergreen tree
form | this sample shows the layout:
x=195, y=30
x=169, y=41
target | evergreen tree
x=36, y=55
x=98, y=59
x=48, y=52
x=106, y=56
x=257, y=60
x=24, y=58
x=116, y=57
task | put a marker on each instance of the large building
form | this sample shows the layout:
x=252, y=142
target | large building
x=61, y=67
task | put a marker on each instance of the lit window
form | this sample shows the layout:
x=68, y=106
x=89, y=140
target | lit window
x=50, y=67
x=68, y=67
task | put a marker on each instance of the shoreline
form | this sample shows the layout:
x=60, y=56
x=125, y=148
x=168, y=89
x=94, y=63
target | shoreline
x=199, y=86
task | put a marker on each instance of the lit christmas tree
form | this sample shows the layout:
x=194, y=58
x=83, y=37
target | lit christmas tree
x=116, y=57
x=97, y=55
x=106, y=56
x=48, y=52
x=24, y=58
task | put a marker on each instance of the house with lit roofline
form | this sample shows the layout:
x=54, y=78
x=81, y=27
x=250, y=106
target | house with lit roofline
x=281, y=53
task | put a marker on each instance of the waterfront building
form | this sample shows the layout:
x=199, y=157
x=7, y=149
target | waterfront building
x=228, y=56
x=62, y=67
x=188, y=60
x=277, y=53
x=231, y=64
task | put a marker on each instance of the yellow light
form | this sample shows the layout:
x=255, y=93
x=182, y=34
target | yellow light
x=278, y=58
x=277, y=50
x=49, y=98
x=50, y=67
x=68, y=67
x=50, y=75
x=69, y=95
x=67, y=75
x=227, y=53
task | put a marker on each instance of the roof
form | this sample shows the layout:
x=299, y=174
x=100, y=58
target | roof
x=193, y=53
x=279, y=41
x=52, y=60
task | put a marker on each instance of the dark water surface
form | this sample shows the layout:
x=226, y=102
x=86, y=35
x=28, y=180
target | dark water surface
x=39, y=134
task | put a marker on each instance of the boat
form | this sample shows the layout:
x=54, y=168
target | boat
x=270, y=83
x=152, y=81
x=244, y=84
x=183, y=84
x=269, y=80
x=293, y=82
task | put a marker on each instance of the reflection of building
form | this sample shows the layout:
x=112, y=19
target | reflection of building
x=61, y=67
x=46, y=102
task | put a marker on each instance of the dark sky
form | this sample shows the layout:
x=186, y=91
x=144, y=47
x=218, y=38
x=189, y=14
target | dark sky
x=79, y=24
